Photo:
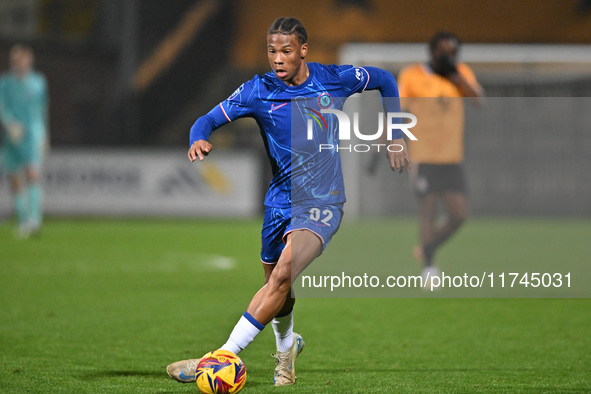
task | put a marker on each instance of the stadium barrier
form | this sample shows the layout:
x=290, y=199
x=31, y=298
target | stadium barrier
x=101, y=182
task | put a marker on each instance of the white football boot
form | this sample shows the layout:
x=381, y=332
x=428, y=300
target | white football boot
x=183, y=371
x=285, y=361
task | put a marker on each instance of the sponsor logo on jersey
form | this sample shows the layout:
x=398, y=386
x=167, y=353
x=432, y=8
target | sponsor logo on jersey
x=358, y=74
x=236, y=92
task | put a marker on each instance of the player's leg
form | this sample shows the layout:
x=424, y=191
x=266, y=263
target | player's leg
x=184, y=370
x=456, y=208
x=282, y=323
x=423, y=179
x=20, y=203
x=34, y=159
x=275, y=223
x=308, y=224
x=306, y=236
x=289, y=343
x=451, y=185
x=301, y=249
x=12, y=161
x=34, y=198
x=427, y=229
x=275, y=296
x=270, y=299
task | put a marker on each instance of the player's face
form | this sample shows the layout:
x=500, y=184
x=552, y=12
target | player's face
x=21, y=61
x=286, y=57
x=446, y=47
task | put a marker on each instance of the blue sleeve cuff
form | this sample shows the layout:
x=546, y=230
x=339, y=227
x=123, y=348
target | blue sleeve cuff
x=205, y=125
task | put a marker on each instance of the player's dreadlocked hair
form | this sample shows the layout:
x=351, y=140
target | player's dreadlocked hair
x=443, y=35
x=289, y=26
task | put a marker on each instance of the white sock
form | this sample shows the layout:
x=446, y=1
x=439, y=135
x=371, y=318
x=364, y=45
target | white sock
x=283, y=329
x=243, y=334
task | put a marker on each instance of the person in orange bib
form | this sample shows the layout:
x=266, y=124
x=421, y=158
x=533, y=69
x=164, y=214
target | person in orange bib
x=434, y=93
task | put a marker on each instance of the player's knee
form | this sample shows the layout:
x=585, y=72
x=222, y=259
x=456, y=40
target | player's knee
x=32, y=175
x=288, y=304
x=458, y=219
x=15, y=184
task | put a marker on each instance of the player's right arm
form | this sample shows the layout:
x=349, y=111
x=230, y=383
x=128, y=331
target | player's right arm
x=202, y=129
x=199, y=149
x=15, y=130
x=236, y=106
x=466, y=82
x=5, y=116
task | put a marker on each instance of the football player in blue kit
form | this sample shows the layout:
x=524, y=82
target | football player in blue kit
x=304, y=203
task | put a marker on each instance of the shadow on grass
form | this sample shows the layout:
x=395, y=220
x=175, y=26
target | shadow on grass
x=118, y=374
x=253, y=383
x=418, y=370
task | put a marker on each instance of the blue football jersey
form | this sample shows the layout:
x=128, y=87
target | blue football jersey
x=293, y=128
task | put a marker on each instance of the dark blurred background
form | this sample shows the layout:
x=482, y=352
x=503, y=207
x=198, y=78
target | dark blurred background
x=92, y=52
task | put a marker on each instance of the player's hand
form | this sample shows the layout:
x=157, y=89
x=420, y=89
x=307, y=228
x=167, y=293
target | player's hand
x=15, y=132
x=398, y=158
x=445, y=65
x=199, y=149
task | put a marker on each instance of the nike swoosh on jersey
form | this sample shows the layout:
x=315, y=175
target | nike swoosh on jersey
x=273, y=107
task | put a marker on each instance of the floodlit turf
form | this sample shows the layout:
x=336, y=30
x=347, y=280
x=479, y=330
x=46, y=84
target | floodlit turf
x=102, y=306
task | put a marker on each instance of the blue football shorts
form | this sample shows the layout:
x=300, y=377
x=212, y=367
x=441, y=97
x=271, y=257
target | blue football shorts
x=324, y=221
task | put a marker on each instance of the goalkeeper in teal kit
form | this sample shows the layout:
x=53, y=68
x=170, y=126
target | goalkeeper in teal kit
x=23, y=114
x=304, y=203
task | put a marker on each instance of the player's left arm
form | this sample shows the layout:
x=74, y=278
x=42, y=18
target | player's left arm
x=385, y=82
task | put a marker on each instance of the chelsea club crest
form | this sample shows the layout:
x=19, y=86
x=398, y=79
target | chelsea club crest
x=324, y=100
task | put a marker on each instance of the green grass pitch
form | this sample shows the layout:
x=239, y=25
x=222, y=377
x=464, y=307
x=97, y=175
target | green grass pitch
x=102, y=306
